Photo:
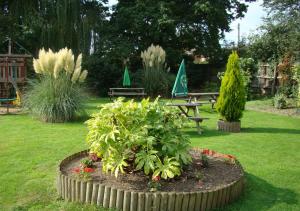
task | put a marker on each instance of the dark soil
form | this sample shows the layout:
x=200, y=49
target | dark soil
x=194, y=177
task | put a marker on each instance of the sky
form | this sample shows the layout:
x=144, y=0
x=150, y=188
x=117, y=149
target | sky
x=248, y=24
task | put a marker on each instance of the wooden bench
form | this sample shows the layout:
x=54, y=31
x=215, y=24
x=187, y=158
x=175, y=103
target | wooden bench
x=126, y=92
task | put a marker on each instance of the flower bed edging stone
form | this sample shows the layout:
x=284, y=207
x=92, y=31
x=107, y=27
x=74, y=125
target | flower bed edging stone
x=76, y=190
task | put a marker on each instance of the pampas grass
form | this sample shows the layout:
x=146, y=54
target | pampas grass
x=56, y=96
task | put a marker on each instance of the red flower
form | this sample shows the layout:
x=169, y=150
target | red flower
x=156, y=178
x=76, y=170
x=205, y=151
x=231, y=156
x=88, y=170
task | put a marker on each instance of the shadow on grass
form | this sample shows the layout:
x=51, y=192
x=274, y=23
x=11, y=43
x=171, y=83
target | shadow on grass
x=270, y=130
x=192, y=132
x=261, y=195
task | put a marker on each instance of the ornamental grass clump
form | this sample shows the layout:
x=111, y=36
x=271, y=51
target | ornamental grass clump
x=146, y=136
x=155, y=78
x=56, y=95
x=232, y=99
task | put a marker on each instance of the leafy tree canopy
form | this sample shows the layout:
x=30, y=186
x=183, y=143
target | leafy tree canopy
x=175, y=25
x=280, y=33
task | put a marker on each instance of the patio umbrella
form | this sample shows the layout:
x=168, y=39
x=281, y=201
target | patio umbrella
x=180, y=85
x=126, y=79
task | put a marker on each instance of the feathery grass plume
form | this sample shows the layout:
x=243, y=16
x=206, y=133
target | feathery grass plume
x=36, y=66
x=77, y=72
x=69, y=61
x=155, y=70
x=76, y=75
x=56, y=96
x=83, y=76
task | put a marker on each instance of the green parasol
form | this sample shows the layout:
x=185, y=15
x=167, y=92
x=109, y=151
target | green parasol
x=180, y=86
x=126, y=79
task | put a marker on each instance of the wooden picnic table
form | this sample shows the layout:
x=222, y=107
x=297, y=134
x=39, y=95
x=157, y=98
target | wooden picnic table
x=194, y=106
x=126, y=92
x=194, y=97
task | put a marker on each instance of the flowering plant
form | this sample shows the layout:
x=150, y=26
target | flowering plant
x=83, y=172
x=56, y=95
x=228, y=158
x=63, y=61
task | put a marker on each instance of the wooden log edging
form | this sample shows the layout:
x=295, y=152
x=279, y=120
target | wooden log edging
x=90, y=192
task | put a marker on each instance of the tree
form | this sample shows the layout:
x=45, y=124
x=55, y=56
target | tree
x=53, y=24
x=280, y=32
x=232, y=99
x=175, y=25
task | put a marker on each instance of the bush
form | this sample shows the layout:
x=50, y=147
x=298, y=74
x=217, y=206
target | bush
x=232, y=99
x=280, y=101
x=104, y=72
x=56, y=95
x=296, y=77
x=142, y=136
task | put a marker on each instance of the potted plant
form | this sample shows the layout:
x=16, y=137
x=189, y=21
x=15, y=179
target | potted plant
x=232, y=99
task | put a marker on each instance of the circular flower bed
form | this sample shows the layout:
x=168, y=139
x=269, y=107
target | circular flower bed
x=140, y=159
x=207, y=184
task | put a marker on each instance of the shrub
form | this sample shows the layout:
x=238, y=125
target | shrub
x=142, y=136
x=56, y=95
x=155, y=78
x=232, y=99
x=280, y=101
x=296, y=77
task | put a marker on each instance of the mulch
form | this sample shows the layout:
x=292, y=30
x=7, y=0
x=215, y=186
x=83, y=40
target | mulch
x=217, y=174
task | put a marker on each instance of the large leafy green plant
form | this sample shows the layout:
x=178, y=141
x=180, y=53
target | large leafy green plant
x=232, y=99
x=142, y=136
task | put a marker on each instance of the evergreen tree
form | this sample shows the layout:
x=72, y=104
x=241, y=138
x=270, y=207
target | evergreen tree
x=232, y=99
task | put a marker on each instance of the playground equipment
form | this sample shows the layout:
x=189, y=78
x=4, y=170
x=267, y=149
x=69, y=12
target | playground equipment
x=12, y=76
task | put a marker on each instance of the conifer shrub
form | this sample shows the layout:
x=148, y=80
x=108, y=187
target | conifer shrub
x=232, y=99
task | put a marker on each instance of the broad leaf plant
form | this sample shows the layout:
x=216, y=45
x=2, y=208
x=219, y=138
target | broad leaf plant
x=139, y=136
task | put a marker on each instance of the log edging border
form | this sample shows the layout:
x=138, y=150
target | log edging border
x=95, y=193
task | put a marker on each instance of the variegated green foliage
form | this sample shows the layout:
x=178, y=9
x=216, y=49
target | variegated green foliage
x=141, y=136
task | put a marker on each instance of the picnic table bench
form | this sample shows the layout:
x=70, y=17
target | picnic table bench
x=197, y=95
x=194, y=106
x=126, y=92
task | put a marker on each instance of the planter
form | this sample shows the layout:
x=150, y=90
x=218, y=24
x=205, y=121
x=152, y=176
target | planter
x=92, y=192
x=229, y=126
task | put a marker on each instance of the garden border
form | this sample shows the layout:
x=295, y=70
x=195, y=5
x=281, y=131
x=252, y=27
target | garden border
x=76, y=190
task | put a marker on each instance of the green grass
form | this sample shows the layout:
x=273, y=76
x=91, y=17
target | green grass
x=268, y=148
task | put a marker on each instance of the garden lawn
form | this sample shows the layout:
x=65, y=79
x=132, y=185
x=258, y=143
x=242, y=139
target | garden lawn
x=268, y=148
